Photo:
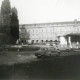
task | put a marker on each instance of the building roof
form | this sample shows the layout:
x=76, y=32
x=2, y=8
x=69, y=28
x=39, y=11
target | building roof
x=49, y=23
x=74, y=23
x=73, y=34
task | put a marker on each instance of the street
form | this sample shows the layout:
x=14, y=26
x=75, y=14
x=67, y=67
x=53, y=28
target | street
x=60, y=68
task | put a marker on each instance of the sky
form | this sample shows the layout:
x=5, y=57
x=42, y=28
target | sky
x=43, y=11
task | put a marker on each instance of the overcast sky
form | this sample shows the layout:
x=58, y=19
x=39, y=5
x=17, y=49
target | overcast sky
x=42, y=11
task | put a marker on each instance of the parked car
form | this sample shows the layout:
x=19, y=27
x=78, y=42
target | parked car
x=63, y=48
x=46, y=52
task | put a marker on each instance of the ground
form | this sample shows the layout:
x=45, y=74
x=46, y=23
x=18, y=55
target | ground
x=12, y=57
x=25, y=66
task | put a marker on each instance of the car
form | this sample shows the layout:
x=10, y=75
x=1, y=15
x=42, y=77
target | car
x=63, y=48
x=44, y=52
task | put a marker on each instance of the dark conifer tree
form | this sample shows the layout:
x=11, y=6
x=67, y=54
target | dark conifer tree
x=9, y=24
x=5, y=16
x=14, y=24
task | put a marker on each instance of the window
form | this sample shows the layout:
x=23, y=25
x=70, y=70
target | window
x=32, y=41
x=28, y=30
x=50, y=40
x=42, y=41
x=36, y=41
x=22, y=41
x=46, y=40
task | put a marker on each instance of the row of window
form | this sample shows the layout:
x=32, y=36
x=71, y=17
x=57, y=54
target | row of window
x=33, y=41
x=50, y=30
x=42, y=40
x=39, y=30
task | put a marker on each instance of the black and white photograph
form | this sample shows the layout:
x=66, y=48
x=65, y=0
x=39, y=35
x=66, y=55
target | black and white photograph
x=39, y=39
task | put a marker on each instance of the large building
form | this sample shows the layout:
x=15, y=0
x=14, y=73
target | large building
x=65, y=32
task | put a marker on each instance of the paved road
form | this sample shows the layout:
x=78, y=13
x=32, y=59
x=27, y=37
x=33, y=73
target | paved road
x=60, y=68
x=10, y=57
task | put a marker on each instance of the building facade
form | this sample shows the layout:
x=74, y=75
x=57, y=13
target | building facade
x=43, y=32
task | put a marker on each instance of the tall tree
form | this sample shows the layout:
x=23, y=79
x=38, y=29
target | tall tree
x=5, y=16
x=0, y=18
x=14, y=24
x=9, y=24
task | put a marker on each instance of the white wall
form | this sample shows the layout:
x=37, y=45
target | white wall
x=63, y=41
x=49, y=32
